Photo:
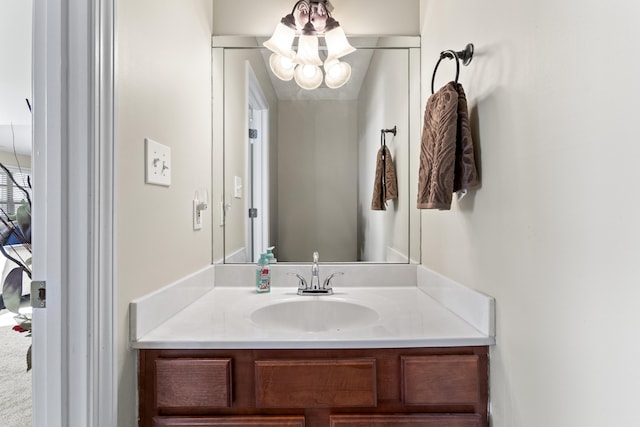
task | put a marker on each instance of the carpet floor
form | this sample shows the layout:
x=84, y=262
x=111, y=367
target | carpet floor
x=15, y=381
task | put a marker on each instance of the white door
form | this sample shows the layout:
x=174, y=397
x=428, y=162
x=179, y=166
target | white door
x=256, y=188
x=74, y=381
x=257, y=169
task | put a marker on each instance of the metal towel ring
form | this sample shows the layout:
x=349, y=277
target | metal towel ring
x=384, y=132
x=464, y=55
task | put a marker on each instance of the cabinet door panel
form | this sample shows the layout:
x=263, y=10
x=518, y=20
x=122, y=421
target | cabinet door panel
x=316, y=383
x=189, y=383
x=440, y=380
x=413, y=420
x=245, y=421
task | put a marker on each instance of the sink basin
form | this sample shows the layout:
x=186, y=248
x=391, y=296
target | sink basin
x=314, y=315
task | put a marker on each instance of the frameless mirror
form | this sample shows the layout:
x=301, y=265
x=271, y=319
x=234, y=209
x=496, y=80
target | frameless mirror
x=299, y=165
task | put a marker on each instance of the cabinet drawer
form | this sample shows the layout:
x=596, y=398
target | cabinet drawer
x=190, y=383
x=245, y=421
x=440, y=380
x=315, y=383
x=413, y=420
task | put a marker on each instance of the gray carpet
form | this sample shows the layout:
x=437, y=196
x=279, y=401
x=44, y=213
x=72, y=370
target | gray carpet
x=15, y=381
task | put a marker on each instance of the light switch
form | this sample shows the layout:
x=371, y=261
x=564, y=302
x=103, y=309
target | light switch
x=157, y=159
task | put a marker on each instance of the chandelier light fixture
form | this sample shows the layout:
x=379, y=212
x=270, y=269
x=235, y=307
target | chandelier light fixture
x=309, y=19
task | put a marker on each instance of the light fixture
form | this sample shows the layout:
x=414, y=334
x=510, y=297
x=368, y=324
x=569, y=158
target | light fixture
x=309, y=19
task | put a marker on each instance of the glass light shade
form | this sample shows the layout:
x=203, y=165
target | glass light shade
x=281, y=40
x=308, y=51
x=308, y=76
x=282, y=66
x=337, y=43
x=337, y=73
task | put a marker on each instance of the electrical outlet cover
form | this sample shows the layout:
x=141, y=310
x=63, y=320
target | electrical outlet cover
x=197, y=216
x=157, y=163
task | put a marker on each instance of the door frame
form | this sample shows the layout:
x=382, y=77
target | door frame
x=258, y=184
x=74, y=341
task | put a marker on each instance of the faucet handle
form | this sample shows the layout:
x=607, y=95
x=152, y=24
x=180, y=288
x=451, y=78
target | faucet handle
x=327, y=281
x=302, y=283
x=316, y=257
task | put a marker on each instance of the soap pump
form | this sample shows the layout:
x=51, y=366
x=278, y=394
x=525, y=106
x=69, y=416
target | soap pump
x=270, y=257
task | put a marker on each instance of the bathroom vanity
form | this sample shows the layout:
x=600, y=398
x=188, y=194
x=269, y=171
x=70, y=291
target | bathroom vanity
x=414, y=354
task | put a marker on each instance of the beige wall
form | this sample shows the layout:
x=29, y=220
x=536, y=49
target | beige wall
x=15, y=72
x=553, y=233
x=383, y=104
x=15, y=76
x=357, y=17
x=164, y=93
x=317, y=180
x=10, y=159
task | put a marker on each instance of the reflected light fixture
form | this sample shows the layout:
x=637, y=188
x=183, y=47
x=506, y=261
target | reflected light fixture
x=309, y=19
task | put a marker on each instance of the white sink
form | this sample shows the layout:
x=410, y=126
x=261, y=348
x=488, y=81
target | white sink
x=314, y=315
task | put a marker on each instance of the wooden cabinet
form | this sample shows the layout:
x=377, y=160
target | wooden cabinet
x=431, y=387
x=324, y=383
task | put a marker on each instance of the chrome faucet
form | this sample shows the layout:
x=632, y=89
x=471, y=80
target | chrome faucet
x=315, y=273
x=315, y=288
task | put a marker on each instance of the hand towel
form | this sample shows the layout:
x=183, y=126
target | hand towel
x=465, y=175
x=447, y=162
x=385, y=186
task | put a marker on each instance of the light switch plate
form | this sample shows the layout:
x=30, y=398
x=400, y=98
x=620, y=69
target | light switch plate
x=157, y=160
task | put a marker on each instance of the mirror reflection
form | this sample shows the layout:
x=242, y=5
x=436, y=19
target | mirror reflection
x=300, y=165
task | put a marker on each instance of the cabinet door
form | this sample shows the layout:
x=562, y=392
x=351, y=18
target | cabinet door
x=446, y=380
x=193, y=383
x=409, y=420
x=244, y=421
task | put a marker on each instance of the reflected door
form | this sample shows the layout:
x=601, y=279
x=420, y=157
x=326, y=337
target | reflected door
x=257, y=207
x=257, y=177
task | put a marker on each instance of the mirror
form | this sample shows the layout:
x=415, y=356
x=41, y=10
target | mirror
x=299, y=166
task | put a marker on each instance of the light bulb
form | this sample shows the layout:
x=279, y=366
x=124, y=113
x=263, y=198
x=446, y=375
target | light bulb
x=308, y=76
x=286, y=62
x=282, y=66
x=338, y=73
x=309, y=71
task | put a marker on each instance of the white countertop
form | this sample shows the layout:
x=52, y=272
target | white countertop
x=408, y=316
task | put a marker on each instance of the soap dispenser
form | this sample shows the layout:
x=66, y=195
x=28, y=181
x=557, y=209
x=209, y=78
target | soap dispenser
x=263, y=275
